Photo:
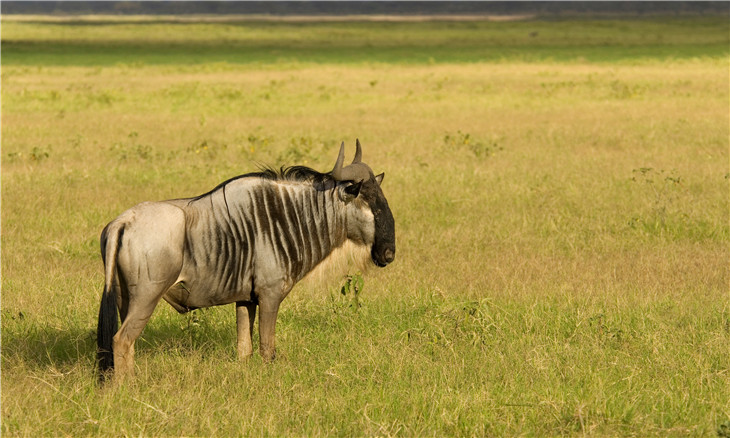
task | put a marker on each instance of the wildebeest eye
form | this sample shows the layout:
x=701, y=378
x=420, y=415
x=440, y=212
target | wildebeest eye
x=351, y=191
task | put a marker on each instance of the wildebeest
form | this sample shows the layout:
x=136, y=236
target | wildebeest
x=247, y=241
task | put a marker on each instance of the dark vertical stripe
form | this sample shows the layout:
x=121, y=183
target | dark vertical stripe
x=190, y=239
x=249, y=244
x=274, y=213
x=242, y=247
x=284, y=229
x=230, y=250
x=234, y=250
x=263, y=214
x=326, y=220
x=315, y=230
x=295, y=231
x=326, y=230
x=220, y=258
x=252, y=212
x=305, y=225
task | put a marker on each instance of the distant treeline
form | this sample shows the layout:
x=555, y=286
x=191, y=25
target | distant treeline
x=365, y=8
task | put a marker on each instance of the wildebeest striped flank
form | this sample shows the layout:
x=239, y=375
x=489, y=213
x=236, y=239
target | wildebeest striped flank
x=247, y=241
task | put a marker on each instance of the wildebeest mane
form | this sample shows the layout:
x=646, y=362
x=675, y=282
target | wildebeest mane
x=292, y=173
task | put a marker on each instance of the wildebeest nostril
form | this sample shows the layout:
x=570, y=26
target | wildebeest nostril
x=389, y=255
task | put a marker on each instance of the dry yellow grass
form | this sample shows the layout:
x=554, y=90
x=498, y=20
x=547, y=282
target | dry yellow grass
x=556, y=190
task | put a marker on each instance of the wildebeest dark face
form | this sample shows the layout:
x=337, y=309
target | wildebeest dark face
x=383, y=250
x=365, y=188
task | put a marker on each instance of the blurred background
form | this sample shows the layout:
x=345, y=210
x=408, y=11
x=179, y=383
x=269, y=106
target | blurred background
x=362, y=7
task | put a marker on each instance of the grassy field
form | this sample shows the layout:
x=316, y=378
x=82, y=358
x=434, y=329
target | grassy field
x=560, y=190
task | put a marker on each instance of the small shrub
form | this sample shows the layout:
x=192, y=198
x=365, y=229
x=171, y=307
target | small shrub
x=205, y=148
x=257, y=142
x=349, y=296
x=661, y=190
x=38, y=154
x=304, y=149
x=131, y=149
x=479, y=147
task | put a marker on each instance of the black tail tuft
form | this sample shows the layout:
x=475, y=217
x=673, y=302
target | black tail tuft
x=107, y=327
x=105, y=331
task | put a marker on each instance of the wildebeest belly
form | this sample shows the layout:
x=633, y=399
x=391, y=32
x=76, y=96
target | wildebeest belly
x=186, y=296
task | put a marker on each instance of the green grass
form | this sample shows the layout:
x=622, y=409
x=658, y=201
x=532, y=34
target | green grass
x=164, y=42
x=560, y=204
x=418, y=366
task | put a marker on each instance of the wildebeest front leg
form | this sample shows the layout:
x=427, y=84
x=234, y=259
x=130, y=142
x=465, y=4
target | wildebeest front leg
x=245, y=317
x=268, y=310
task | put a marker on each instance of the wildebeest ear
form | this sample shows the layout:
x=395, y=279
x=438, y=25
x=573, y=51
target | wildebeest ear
x=379, y=178
x=350, y=191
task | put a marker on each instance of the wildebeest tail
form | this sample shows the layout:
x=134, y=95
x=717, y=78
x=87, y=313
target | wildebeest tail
x=107, y=326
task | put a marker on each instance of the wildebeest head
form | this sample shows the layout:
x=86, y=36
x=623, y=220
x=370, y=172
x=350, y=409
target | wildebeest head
x=370, y=220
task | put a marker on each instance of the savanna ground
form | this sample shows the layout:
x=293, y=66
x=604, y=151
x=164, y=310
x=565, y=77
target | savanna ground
x=560, y=190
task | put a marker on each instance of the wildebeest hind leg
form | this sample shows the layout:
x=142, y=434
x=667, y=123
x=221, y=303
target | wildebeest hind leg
x=149, y=260
x=140, y=308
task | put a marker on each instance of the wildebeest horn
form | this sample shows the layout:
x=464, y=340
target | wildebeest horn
x=340, y=159
x=356, y=171
x=358, y=152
